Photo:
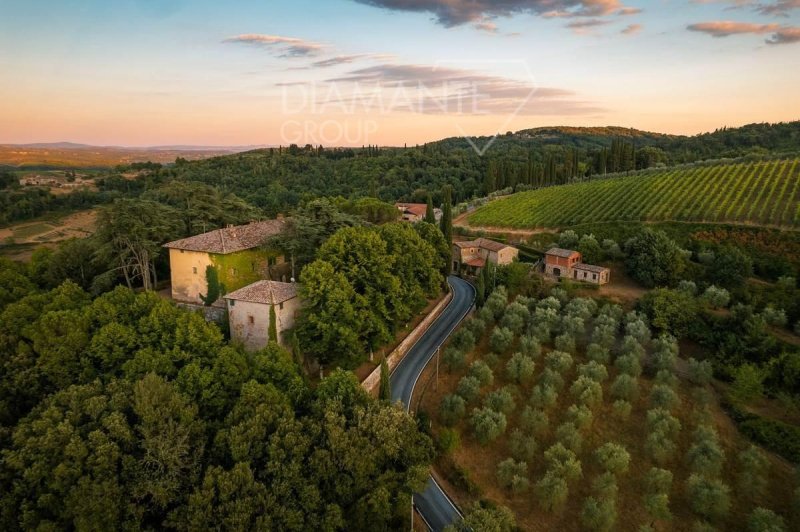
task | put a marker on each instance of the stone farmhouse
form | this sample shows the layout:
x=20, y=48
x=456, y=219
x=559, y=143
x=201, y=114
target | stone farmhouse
x=415, y=212
x=252, y=308
x=471, y=256
x=566, y=264
x=225, y=266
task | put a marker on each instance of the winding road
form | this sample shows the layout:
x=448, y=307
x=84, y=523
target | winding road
x=433, y=504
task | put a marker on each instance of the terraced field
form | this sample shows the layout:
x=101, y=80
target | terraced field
x=760, y=193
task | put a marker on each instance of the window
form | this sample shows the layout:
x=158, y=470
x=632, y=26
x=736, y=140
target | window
x=232, y=301
x=234, y=271
x=194, y=270
x=280, y=306
x=252, y=266
x=182, y=251
x=251, y=320
x=594, y=276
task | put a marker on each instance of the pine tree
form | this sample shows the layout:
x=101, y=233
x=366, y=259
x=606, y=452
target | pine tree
x=385, y=392
x=430, y=216
x=273, y=324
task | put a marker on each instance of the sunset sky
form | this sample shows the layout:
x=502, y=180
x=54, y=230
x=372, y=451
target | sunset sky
x=389, y=72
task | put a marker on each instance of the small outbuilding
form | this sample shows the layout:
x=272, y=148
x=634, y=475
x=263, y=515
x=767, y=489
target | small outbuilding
x=566, y=264
x=251, y=310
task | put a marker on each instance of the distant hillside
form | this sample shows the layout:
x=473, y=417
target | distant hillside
x=761, y=193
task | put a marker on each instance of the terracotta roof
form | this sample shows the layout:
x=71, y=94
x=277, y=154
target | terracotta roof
x=231, y=239
x=267, y=292
x=418, y=209
x=490, y=244
x=465, y=244
x=475, y=261
x=589, y=268
x=559, y=252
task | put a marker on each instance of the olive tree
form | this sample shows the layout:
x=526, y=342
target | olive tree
x=625, y=387
x=593, y=370
x=520, y=368
x=481, y=371
x=598, y=514
x=716, y=297
x=452, y=409
x=522, y=446
x=487, y=424
x=513, y=475
x=700, y=373
x=501, y=339
x=453, y=359
x=469, y=388
x=501, y=400
x=587, y=391
x=765, y=520
x=613, y=457
x=534, y=421
x=753, y=471
x=709, y=498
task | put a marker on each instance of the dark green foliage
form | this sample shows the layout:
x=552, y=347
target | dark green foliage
x=485, y=517
x=452, y=409
x=653, y=259
x=385, y=390
x=446, y=223
x=273, y=324
x=215, y=289
x=430, y=215
x=709, y=498
x=670, y=311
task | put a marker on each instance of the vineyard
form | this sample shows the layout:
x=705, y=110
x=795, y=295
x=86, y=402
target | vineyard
x=761, y=193
x=576, y=417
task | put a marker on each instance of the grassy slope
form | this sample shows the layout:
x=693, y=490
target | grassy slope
x=762, y=193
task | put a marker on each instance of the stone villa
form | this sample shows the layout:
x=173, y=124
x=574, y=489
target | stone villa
x=415, y=212
x=471, y=256
x=566, y=264
x=250, y=312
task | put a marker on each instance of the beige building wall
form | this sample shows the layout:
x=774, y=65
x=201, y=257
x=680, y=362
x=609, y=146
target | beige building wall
x=507, y=255
x=188, y=274
x=249, y=322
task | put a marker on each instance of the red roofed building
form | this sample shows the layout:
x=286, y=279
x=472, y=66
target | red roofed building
x=470, y=257
x=566, y=264
x=415, y=212
x=249, y=311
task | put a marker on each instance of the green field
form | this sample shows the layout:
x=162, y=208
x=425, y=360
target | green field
x=760, y=193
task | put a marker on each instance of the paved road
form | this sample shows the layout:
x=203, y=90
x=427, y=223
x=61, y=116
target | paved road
x=434, y=506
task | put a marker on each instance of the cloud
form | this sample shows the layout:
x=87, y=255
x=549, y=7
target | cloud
x=629, y=11
x=440, y=90
x=584, y=26
x=631, y=29
x=777, y=34
x=486, y=25
x=781, y=8
x=451, y=13
x=287, y=46
x=347, y=59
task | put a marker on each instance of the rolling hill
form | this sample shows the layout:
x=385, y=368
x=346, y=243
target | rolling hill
x=758, y=193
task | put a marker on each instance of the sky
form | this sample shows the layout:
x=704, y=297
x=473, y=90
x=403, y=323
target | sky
x=387, y=72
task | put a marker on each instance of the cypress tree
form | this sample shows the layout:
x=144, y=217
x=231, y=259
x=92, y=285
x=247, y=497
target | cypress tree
x=480, y=290
x=447, y=215
x=430, y=216
x=273, y=324
x=385, y=392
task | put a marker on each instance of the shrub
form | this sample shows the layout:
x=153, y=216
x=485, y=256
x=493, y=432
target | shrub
x=594, y=371
x=580, y=415
x=534, y=421
x=565, y=342
x=568, y=435
x=486, y=316
x=560, y=294
x=449, y=441
x=452, y=409
x=598, y=353
x=552, y=491
x=543, y=397
x=629, y=365
x=469, y=388
x=520, y=368
x=581, y=307
x=753, y=471
x=709, y=498
x=522, y=447
x=586, y=391
x=453, y=359
x=700, y=373
x=541, y=332
x=599, y=514
x=662, y=396
x=550, y=302
x=501, y=400
x=487, y=424
x=501, y=340
x=716, y=297
x=482, y=372
x=624, y=387
x=613, y=457
x=529, y=346
x=558, y=361
x=777, y=436
x=764, y=520
x=513, y=474
x=622, y=409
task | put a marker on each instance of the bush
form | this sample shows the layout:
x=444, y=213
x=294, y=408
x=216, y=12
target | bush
x=599, y=514
x=452, y=409
x=777, y=436
x=565, y=342
x=482, y=372
x=624, y=387
x=670, y=311
x=709, y=498
x=662, y=396
x=598, y=353
x=520, y=368
x=501, y=400
x=700, y=373
x=594, y=371
x=501, y=340
x=622, y=409
x=534, y=421
x=529, y=346
x=513, y=474
x=552, y=491
x=716, y=297
x=449, y=441
x=469, y=388
x=613, y=457
x=586, y=391
x=661, y=421
x=764, y=520
x=568, y=435
x=453, y=359
x=487, y=424
x=515, y=317
x=558, y=361
x=522, y=447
